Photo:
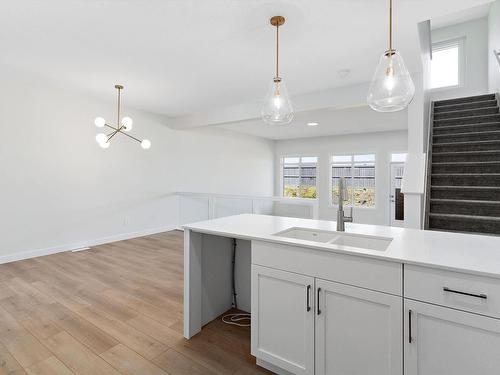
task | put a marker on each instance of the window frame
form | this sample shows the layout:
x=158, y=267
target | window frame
x=282, y=175
x=444, y=44
x=330, y=182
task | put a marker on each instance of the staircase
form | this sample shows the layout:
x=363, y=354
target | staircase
x=463, y=181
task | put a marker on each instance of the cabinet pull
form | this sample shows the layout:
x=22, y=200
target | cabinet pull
x=410, y=339
x=318, y=310
x=483, y=296
x=308, y=302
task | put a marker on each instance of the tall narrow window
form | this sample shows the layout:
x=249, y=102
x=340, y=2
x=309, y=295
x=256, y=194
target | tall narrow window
x=359, y=174
x=299, y=176
x=446, y=64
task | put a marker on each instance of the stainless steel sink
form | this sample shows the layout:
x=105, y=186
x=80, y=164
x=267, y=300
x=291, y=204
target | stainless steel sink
x=337, y=238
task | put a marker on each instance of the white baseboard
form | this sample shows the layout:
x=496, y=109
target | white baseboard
x=75, y=246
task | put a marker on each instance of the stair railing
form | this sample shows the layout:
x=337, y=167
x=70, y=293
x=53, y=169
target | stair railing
x=428, y=167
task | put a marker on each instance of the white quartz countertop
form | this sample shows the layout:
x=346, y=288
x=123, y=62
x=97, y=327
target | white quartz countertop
x=467, y=253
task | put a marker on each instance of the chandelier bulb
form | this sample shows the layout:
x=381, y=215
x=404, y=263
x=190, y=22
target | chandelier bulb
x=127, y=123
x=99, y=122
x=146, y=144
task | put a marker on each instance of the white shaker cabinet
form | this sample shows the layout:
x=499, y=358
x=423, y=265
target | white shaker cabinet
x=445, y=341
x=358, y=331
x=283, y=319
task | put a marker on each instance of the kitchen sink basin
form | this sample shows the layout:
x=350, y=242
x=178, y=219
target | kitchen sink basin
x=337, y=238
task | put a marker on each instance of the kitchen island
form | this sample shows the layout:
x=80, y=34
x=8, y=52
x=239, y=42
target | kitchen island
x=372, y=299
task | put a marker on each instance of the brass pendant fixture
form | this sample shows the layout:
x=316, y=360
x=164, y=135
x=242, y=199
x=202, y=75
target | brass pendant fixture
x=123, y=126
x=277, y=108
x=392, y=88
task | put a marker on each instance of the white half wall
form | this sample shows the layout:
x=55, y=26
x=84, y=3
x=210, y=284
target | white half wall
x=494, y=44
x=382, y=144
x=60, y=190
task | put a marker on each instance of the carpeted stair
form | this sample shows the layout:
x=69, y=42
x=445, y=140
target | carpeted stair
x=463, y=182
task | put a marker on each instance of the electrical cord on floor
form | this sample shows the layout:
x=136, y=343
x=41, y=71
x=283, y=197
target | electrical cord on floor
x=241, y=320
x=238, y=319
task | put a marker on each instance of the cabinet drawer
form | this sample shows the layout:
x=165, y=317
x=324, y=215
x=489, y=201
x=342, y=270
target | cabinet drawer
x=453, y=289
x=354, y=270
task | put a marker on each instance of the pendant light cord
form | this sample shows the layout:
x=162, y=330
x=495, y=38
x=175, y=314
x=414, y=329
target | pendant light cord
x=390, y=25
x=277, y=49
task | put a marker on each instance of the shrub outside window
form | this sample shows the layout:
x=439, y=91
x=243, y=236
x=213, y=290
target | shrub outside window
x=359, y=174
x=299, y=176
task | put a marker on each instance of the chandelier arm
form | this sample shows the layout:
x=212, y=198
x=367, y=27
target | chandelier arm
x=131, y=136
x=112, y=127
x=112, y=135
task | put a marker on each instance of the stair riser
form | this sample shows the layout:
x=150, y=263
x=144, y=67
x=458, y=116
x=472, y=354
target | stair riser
x=465, y=157
x=464, y=106
x=467, y=120
x=471, y=99
x=479, y=194
x=464, y=168
x=466, y=209
x=448, y=138
x=466, y=113
x=467, y=128
x=464, y=226
x=457, y=180
x=466, y=147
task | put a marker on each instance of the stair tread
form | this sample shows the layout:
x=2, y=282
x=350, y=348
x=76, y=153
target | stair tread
x=465, y=117
x=476, y=102
x=458, y=187
x=466, y=99
x=468, y=142
x=468, y=110
x=465, y=174
x=468, y=133
x=467, y=152
x=466, y=162
x=466, y=217
x=468, y=125
x=473, y=201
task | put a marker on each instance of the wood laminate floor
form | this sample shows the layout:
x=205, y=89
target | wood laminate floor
x=114, y=309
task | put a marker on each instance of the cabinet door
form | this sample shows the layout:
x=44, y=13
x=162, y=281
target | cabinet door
x=283, y=319
x=358, y=331
x=444, y=341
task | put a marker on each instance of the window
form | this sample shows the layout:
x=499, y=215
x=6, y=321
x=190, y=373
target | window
x=299, y=176
x=398, y=158
x=446, y=64
x=359, y=174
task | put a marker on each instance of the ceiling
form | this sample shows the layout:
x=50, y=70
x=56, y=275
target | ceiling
x=331, y=122
x=185, y=57
x=461, y=16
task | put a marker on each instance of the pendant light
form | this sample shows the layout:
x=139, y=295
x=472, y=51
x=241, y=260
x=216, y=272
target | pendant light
x=392, y=88
x=123, y=126
x=277, y=108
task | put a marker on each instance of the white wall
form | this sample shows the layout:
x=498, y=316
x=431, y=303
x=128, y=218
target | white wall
x=494, y=44
x=476, y=49
x=60, y=190
x=382, y=144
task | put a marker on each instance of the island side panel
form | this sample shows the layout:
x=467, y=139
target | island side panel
x=192, y=282
x=216, y=277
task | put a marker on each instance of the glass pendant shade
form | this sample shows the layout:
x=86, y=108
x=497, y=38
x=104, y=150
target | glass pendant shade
x=392, y=88
x=277, y=109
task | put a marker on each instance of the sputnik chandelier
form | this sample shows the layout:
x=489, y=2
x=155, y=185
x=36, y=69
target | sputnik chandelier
x=123, y=126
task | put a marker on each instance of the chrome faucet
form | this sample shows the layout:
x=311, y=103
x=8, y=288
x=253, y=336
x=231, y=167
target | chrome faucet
x=341, y=218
